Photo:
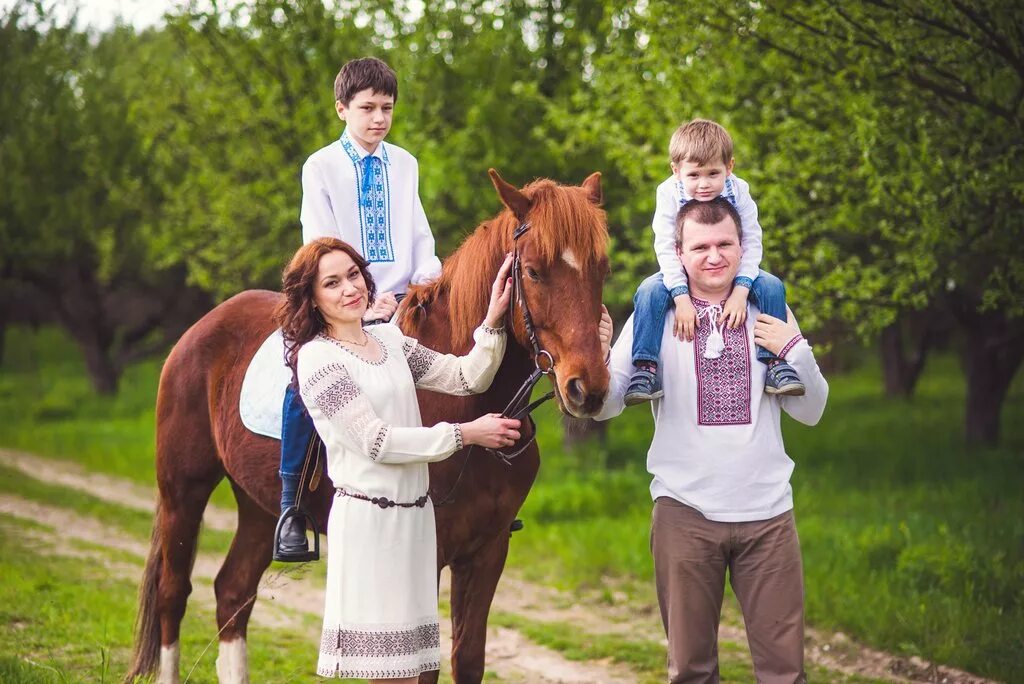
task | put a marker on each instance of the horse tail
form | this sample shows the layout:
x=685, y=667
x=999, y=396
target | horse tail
x=146, y=654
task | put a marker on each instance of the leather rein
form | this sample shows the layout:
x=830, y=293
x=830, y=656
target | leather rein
x=519, y=407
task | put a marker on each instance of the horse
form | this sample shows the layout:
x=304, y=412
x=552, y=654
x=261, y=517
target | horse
x=561, y=238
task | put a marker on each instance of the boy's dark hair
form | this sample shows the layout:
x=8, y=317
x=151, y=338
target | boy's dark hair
x=707, y=213
x=366, y=72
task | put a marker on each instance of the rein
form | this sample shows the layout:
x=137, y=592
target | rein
x=520, y=407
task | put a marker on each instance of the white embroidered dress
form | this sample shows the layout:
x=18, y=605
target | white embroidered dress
x=380, y=613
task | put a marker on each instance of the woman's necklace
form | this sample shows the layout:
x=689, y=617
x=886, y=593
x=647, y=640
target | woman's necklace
x=366, y=341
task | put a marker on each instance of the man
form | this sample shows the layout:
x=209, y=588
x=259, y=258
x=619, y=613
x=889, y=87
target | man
x=722, y=498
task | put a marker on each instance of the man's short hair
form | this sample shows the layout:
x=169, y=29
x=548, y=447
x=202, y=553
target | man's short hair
x=359, y=74
x=700, y=142
x=708, y=214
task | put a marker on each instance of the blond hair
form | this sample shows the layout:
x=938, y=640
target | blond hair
x=700, y=142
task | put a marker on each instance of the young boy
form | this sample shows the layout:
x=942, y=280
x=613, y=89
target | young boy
x=366, y=192
x=702, y=161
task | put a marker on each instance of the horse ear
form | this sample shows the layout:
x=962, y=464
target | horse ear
x=510, y=196
x=593, y=187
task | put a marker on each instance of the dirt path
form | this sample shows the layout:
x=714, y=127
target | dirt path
x=509, y=654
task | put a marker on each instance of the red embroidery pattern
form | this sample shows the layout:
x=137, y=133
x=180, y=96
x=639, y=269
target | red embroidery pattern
x=789, y=345
x=723, y=384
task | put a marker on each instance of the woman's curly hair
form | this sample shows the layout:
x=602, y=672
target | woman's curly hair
x=299, y=319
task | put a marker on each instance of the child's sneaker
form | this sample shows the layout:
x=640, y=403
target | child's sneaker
x=782, y=379
x=644, y=385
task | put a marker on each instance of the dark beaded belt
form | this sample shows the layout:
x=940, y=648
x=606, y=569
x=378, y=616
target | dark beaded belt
x=383, y=502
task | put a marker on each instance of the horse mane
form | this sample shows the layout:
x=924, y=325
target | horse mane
x=561, y=218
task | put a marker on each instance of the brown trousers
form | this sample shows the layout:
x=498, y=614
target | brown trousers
x=691, y=555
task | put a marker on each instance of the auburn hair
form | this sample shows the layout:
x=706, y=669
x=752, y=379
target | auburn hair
x=297, y=315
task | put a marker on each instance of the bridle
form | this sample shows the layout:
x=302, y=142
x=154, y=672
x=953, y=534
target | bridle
x=519, y=407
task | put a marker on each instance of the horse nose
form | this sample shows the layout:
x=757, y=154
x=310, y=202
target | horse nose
x=576, y=391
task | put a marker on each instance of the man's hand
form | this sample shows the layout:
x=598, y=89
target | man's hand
x=604, y=331
x=383, y=308
x=735, y=312
x=773, y=334
x=686, y=318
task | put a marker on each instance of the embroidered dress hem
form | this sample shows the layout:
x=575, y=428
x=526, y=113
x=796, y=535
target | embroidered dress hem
x=379, y=651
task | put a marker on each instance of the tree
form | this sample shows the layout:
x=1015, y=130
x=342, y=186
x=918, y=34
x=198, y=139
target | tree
x=75, y=192
x=886, y=142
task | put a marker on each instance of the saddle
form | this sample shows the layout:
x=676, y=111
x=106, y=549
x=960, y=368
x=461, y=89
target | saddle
x=262, y=397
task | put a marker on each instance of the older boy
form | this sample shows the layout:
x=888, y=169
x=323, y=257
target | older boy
x=366, y=192
x=722, y=498
x=702, y=162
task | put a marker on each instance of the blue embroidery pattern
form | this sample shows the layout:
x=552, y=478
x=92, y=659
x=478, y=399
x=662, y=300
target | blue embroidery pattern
x=373, y=188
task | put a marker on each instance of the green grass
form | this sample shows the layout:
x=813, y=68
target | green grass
x=66, y=619
x=912, y=541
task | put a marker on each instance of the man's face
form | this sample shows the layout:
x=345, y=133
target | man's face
x=703, y=183
x=711, y=255
x=368, y=116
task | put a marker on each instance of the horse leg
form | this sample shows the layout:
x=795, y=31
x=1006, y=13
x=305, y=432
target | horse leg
x=236, y=585
x=474, y=580
x=180, y=514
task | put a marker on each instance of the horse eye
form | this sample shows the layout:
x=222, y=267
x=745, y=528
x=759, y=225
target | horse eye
x=532, y=273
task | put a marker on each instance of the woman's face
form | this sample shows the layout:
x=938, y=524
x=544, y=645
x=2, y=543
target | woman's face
x=340, y=290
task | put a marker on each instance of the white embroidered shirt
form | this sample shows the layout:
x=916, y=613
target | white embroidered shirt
x=717, y=443
x=367, y=413
x=389, y=229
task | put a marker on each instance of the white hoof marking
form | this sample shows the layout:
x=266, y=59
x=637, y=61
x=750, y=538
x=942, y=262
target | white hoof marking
x=232, y=662
x=169, y=663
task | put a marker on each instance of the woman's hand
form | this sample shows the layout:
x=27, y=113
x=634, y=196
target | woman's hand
x=491, y=431
x=604, y=331
x=772, y=333
x=501, y=293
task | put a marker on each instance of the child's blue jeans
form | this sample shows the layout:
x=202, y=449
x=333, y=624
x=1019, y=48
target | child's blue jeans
x=296, y=429
x=652, y=300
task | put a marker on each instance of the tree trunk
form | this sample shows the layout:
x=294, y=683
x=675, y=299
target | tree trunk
x=103, y=372
x=80, y=308
x=991, y=359
x=901, y=368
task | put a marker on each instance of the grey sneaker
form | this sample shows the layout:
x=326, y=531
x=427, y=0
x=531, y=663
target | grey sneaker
x=783, y=380
x=643, y=386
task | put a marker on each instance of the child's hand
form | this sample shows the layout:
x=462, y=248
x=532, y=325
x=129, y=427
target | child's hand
x=735, y=312
x=604, y=331
x=686, y=318
x=383, y=308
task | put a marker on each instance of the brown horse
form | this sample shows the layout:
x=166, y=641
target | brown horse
x=200, y=438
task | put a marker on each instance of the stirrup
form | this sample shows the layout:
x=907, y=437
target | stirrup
x=296, y=556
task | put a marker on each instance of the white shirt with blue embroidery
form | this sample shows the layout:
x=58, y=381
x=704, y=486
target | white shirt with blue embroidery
x=382, y=216
x=670, y=198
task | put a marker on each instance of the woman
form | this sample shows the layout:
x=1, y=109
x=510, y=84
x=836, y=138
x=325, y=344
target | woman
x=380, y=617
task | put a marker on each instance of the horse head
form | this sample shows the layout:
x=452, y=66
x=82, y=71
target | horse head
x=561, y=236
